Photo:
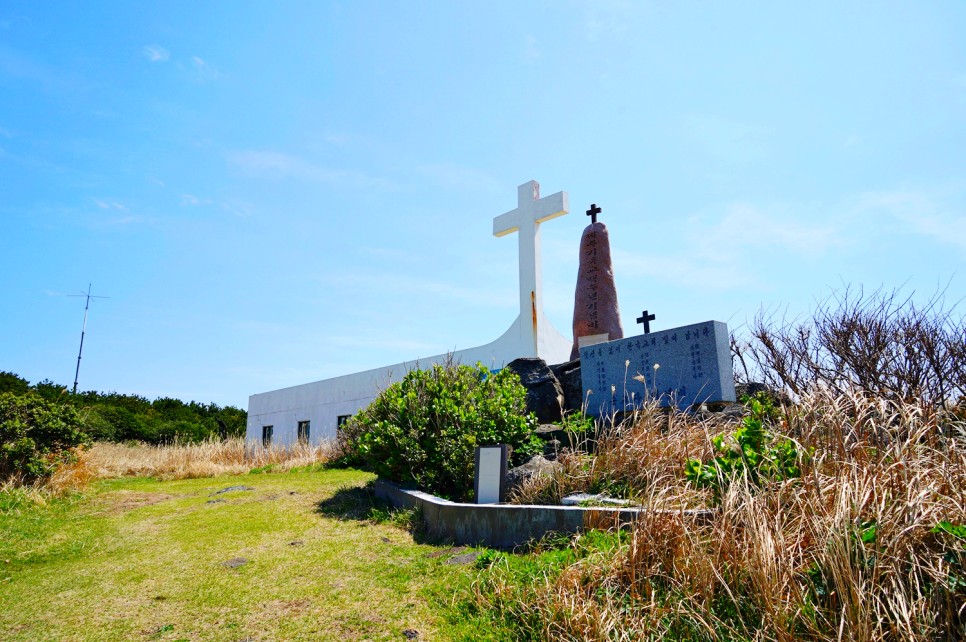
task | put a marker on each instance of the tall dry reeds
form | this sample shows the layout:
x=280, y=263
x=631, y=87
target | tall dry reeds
x=641, y=458
x=848, y=551
x=203, y=459
x=105, y=460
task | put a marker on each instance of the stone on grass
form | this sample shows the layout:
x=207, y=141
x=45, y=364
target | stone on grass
x=231, y=489
x=581, y=498
x=538, y=465
x=235, y=562
x=465, y=558
x=448, y=551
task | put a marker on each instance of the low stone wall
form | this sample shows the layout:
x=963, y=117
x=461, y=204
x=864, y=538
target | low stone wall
x=505, y=525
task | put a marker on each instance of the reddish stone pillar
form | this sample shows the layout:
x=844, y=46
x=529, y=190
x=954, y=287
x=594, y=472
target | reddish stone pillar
x=595, y=301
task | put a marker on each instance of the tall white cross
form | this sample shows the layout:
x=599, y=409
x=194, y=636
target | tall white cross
x=531, y=211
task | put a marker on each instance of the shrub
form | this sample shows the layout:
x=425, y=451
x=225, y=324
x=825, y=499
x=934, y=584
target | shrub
x=36, y=435
x=752, y=451
x=882, y=344
x=424, y=429
x=10, y=382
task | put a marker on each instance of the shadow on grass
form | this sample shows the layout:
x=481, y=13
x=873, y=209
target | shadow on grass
x=353, y=503
x=360, y=504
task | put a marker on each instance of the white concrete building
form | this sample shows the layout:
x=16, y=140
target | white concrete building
x=312, y=412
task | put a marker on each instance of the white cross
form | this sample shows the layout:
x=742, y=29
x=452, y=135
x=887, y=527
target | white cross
x=531, y=211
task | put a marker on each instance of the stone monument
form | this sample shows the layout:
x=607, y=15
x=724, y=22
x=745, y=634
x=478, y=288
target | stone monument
x=596, y=311
x=679, y=367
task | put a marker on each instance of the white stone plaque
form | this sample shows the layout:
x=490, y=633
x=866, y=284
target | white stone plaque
x=592, y=339
x=490, y=474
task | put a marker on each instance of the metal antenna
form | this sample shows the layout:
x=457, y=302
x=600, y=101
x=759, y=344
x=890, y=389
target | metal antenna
x=87, y=305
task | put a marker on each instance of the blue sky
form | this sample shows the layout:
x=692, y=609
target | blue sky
x=275, y=193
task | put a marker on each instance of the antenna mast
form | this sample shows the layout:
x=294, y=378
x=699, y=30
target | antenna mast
x=87, y=305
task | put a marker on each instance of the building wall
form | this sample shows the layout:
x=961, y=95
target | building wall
x=322, y=402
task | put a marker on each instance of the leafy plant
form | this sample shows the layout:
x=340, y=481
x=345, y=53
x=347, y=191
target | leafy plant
x=956, y=530
x=751, y=450
x=488, y=557
x=424, y=429
x=954, y=556
x=577, y=423
x=36, y=436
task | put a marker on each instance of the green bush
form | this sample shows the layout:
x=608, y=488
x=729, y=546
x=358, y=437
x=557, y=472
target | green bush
x=752, y=450
x=10, y=382
x=36, y=435
x=424, y=430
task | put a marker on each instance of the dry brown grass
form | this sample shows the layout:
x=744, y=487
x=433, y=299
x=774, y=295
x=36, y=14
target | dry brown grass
x=186, y=461
x=783, y=562
x=642, y=458
x=106, y=460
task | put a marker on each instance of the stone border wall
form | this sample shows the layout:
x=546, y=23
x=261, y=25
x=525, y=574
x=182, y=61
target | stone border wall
x=507, y=525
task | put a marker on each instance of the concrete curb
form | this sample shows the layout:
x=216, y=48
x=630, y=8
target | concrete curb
x=508, y=525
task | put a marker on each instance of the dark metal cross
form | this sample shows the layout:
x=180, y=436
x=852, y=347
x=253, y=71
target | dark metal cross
x=593, y=212
x=646, y=320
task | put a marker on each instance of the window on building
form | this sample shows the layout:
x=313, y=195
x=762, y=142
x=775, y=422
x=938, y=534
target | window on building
x=303, y=432
x=266, y=436
x=340, y=421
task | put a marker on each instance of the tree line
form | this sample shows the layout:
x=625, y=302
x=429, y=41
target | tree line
x=111, y=416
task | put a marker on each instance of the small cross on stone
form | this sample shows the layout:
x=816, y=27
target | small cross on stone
x=646, y=320
x=593, y=212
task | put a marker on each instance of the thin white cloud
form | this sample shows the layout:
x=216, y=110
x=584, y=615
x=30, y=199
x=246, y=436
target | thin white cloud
x=608, y=21
x=241, y=209
x=15, y=65
x=531, y=50
x=397, y=284
x=726, y=139
x=203, y=71
x=732, y=242
x=384, y=342
x=920, y=211
x=127, y=220
x=109, y=204
x=156, y=53
x=189, y=200
x=278, y=165
x=337, y=138
x=458, y=177
x=747, y=226
x=692, y=271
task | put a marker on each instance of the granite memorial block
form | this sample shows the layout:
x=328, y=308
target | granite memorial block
x=681, y=366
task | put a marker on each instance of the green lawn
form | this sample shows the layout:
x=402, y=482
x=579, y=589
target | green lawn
x=139, y=559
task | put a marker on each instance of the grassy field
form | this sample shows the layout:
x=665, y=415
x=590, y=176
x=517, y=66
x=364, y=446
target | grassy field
x=292, y=557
